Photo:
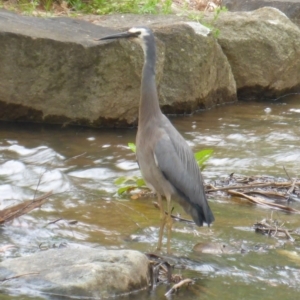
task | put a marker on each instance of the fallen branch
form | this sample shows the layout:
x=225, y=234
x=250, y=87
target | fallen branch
x=291, y=189
x=175, y=217
x=271, y=228
x=251, y=186
x=268, y=194
x=20, y=209
x=18, y=276
x=178, y=285
x=287, y=174
x=260, y=201
x=160, y=269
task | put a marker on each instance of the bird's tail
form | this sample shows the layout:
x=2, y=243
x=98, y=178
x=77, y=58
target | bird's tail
x=200, y=214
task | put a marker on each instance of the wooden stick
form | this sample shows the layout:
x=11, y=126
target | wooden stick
x=250, y=186
x=20, y=209
x=18, y=276
x=287, y=174
x=178, y=285
x=291, y=189
x=263, y=202
x=175, y=217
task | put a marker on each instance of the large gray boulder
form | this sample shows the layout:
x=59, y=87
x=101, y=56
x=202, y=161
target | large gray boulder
x=290, y=7
x=82, y=272
x=263, y=48
x=52, y=70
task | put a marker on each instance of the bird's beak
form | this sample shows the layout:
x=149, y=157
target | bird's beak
x=121, y=35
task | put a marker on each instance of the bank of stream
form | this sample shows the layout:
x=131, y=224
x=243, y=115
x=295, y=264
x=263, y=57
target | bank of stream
x=80, y=166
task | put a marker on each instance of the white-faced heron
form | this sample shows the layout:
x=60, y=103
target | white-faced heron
x=166, y=161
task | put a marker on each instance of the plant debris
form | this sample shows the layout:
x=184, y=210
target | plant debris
x=23, y=208
x=262, y=190
x=273, y=228
x=161, y=272
x=178, y=285
x=267, y=191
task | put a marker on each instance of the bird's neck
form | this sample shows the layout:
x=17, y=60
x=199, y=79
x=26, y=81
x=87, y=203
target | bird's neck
x=149, y=104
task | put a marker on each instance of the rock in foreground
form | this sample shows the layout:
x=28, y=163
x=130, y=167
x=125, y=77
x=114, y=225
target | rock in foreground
x=77, y=272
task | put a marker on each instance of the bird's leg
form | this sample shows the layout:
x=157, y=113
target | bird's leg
x=169, y=225
x=162, y=221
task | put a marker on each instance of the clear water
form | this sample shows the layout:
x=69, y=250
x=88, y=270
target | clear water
x=80, y=166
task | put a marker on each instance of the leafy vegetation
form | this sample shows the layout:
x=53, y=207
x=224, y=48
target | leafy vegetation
x=199, y=17
x=129, y=183
x=70, y=7
x=100, y=7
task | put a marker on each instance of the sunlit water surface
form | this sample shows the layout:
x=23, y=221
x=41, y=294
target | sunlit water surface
x=80, y=166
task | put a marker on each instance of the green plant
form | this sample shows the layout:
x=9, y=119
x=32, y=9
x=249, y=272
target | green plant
x=149, y=7
x=155, y=6
x=28, y=6
x=199, y=17
x=100, y=7
x=202, y=156
x=47, y=4
x=130, y=6
x=78, y=5
x=132, y=147
x=113, y=6
x=166, y=7
x=130, y=183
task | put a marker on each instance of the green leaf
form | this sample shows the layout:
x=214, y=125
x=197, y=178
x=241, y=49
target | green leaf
x=124, y=189
x=140, y=182
x=202, y=156
x=134, y=182
x=126, y=179
x=132, y=147
x=121, y=180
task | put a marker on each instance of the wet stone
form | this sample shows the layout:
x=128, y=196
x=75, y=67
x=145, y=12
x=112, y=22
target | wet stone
x=83, y=272
x=214, y=248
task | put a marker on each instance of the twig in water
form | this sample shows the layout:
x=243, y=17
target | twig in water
x=287, y=174
x=263, y=202
x=18, y=276
x=38, y=184
x=291, y=189
x=74, y=157
x=250, y=186
x=173, y=216
x=18, y=210
x=271, y=228
x=178, y=285
x=53, y=222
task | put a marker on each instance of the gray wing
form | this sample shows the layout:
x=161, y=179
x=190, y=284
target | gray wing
x=176, y=161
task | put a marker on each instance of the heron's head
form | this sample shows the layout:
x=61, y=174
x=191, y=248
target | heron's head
x=134, y=33
x=141, y=35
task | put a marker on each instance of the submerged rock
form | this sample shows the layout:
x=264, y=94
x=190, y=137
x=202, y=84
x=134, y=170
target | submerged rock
x=77, y=272
x=214, y=248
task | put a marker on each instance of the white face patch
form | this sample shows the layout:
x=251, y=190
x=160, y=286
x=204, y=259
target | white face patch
x=143, y=31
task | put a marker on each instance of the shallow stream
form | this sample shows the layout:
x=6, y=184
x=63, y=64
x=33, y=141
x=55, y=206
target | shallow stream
x=80, y=166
